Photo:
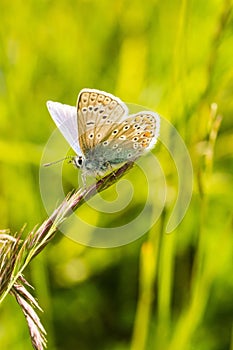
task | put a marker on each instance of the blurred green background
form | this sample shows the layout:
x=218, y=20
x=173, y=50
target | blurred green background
x=163, y=291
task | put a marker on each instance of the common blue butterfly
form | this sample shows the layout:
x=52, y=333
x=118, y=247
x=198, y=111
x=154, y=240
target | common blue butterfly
x=101, y=131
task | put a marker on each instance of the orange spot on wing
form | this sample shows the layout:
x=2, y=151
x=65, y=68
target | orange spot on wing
x=147, y=134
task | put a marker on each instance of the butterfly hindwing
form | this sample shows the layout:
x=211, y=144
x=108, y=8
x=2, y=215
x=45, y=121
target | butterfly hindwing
x=141, y=129
x=125, y=141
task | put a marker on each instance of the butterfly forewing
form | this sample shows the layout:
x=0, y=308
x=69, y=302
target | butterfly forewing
x=65, y=117
x=97, y=112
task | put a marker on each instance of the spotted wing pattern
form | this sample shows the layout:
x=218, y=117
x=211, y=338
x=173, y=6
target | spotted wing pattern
x=126, y=141
x=140, y=129
x=129, y=139
x=97, y=112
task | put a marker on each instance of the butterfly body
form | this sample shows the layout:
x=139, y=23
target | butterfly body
x=91, y=165
x=102, y=133
x=101, y=159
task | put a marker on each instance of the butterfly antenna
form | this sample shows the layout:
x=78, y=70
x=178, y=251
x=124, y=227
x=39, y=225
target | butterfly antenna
x=58, y=161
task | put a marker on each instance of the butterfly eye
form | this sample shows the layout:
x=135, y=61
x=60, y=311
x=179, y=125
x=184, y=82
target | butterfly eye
x=135, y=138
x=123, y=137
x=96, y=109
x=129, y=155
x=115, y=146
x=91, y=136
x=105, y=143
x=78, y=161
x=84, y=109
x=104, y=116
x=126, y=127
x=90, y=108
x=119, y=150
x=115, y=132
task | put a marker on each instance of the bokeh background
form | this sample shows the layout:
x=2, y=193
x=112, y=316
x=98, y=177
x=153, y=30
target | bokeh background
x=162, y=291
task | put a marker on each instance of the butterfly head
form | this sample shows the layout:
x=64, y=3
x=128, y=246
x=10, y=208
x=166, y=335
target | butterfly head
x=78, y=161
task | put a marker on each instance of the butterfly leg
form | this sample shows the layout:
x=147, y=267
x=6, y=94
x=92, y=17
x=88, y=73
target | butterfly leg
x=84, y=179
x=98, y=176
x=109, y=166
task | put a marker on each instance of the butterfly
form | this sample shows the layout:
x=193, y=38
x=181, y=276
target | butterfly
x=101, y=131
